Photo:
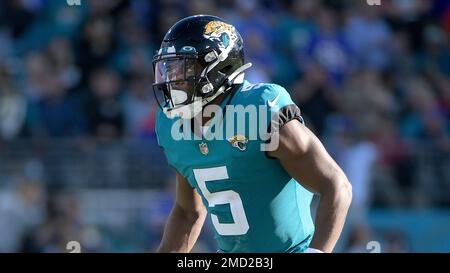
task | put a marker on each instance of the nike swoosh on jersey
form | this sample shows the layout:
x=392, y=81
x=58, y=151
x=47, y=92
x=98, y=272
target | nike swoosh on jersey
x=274, y=101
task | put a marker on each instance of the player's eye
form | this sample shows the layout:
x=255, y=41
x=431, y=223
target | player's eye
x=190, y=72
x=190, y=68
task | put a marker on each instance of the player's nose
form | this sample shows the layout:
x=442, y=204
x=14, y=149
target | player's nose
x=183, y=85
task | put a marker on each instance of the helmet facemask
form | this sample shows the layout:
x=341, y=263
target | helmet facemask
x=178, y=80
x=184, y=83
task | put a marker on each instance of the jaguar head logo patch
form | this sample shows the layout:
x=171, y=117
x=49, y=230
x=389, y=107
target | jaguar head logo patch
x=239, y=142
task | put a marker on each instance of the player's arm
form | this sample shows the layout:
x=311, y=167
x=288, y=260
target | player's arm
x=185, y=221
x=303, y=156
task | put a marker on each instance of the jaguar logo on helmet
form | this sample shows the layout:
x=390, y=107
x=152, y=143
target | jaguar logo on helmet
x=222, y=32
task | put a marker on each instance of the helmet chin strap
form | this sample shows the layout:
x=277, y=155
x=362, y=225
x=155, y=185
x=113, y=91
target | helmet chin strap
x=191, y=110
x=234, y=77
x=230, y=80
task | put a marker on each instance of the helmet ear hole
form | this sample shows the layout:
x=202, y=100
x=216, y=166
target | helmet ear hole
x=207, y=89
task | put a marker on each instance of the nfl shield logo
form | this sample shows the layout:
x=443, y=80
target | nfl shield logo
x=203, y=148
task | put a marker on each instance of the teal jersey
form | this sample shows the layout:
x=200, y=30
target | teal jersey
x=254, y=204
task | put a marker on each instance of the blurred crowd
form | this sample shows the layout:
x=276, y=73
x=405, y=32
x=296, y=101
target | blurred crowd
x=373, y=82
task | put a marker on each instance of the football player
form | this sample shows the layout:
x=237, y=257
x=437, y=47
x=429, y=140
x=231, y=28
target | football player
x=258, y=200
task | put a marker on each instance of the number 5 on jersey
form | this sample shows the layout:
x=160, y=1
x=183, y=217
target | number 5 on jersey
x=240, y=225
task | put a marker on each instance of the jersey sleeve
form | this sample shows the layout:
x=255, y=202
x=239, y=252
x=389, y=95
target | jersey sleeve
x=282, y=108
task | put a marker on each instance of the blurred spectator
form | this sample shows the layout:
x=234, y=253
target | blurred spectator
x=12, y=106
x=393, y=175
x=329, y=47
x=434, y=59
x=316, y=98
x=369, y=37
x=61, y=226
x=139, y=108
x=367, y=100
x=294, y=28
x=17, y=16
x=358, y=239
x=424, y=119
x=135, y=47
x=21, y=210
x=62, y=60
x=105, y=111
x=96, y=45
x=37, y=75
x=357, y=156
x=55, y=114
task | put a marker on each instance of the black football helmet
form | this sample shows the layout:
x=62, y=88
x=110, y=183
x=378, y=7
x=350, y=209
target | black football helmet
x=200, y=58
